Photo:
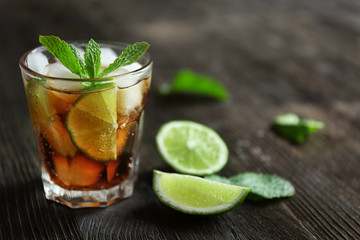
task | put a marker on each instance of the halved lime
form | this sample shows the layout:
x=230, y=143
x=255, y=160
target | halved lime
x=195, y=195
x=92, y=124
x=191, y=148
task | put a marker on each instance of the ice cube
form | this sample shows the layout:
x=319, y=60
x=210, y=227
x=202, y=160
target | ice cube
x=66, y=86
x=131, y=92
x=132, y=67
x=118, y=71
x=37, y=62
x=128, y=79
x=108, y=56
x=128, y=99
x=58, y=70
x=131, y=98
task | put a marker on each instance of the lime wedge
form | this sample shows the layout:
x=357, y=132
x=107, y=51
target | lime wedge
x=195, y=195
x=44, y=117
x=92, y=125
x=191, y=148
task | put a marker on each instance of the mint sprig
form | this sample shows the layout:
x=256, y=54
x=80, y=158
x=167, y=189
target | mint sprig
x=94, y=85
x=90, y=67
x=65, y=53
x=77, y=55
x=294, y=128
x=92, y=59
x=130, y=55
x=189, y=82
x=262, y=185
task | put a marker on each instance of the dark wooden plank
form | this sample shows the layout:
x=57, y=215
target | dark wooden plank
x=273, y=56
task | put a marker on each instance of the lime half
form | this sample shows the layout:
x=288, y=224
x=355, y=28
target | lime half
x=195, y=195
x=191, y=148
x=92, y=125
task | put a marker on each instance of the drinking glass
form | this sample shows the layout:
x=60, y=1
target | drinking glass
x=87, y=131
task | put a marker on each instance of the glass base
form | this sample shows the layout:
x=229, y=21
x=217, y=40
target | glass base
x=81, y=199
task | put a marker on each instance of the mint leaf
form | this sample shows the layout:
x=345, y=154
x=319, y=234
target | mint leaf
x=64, y=53
x=295, y=129
x=189, y=82
x=70, y=57
x=130, y=55
x=262, y=186
x=76, y=53
x=312, y=126
x=95, y=85
x=92, y=59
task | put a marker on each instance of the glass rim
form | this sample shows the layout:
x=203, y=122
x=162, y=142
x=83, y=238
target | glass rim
x=24, y=67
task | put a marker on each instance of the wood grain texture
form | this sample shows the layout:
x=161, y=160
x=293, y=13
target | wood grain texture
x=273, y=56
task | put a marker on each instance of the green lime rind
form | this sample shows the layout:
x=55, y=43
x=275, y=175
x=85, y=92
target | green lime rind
x=71, y=133
x=195, y=195
x=191, y=148
x=262, y=185
x=78, y=141
x=295, y=129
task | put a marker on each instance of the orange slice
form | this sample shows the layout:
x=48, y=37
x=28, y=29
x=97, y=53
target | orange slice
x=79, y=171
x=44, y=117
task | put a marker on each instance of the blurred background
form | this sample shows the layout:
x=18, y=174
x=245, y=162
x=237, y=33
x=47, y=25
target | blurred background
x=273, y=57
x=275, y=41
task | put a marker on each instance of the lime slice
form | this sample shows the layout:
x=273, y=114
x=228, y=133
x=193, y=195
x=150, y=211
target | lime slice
x=44, y=117
x=195, y=195
x=92, y=125
x=191, y=148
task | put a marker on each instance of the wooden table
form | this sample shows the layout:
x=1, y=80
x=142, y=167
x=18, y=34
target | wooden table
x=273, y=56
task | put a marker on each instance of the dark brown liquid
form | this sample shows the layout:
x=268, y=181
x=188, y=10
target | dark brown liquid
x=83, y=173
x=66, y=165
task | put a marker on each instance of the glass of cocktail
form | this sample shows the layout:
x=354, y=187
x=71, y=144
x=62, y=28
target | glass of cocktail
x=87, y=131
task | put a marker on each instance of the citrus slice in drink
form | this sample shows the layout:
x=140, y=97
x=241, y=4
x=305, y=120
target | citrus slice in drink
x=195, y=195
x=191, y=148
x=62, y=169
x=84, y=171
x=77, y=171
x=62, y=101
x=122, y=137
x=92, y=125
x=45, y=118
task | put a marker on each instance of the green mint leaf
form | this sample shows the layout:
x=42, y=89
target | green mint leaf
x=130, y=55
x=312, y=126
x=189, y=82
x=92, y=59
x=95, y=85
x=64, y=53
x=295, y=129
x=262, y=186
x=76, y=53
